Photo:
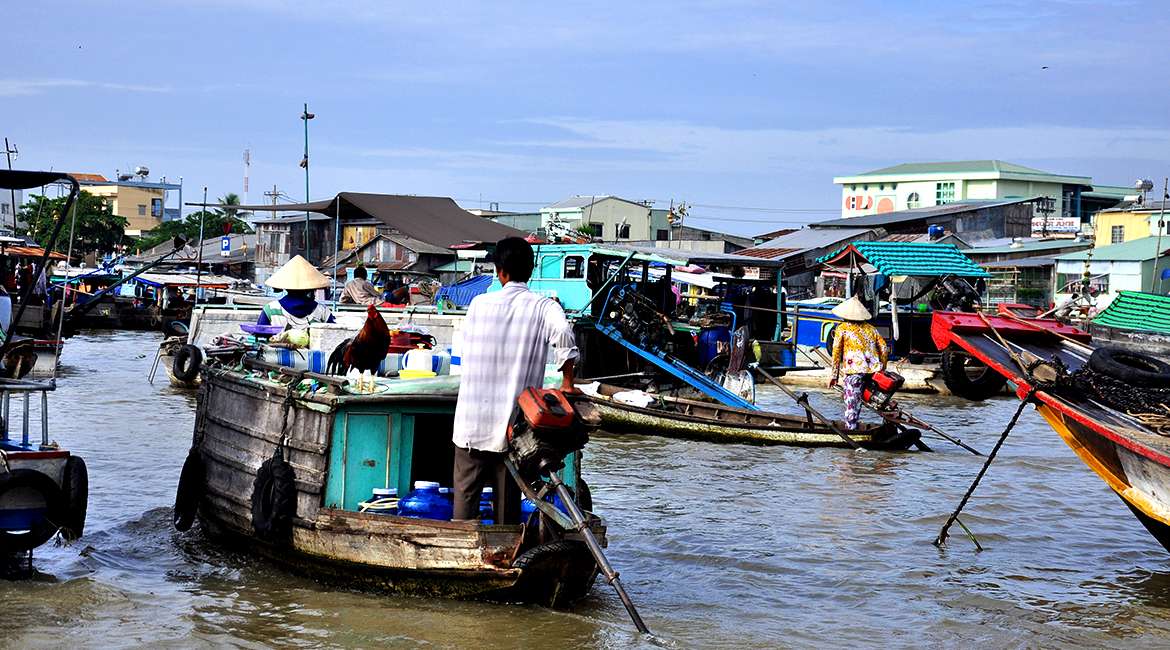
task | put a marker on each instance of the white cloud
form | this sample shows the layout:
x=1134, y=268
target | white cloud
x=26, y=87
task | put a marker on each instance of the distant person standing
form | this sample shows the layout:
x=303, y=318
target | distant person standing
x=858, y=351
x=359, y=290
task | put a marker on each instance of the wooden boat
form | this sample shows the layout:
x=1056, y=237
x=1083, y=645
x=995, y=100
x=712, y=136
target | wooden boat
x=44, y=490
x=685, y=418
x=1130, y=456
x=340, y=447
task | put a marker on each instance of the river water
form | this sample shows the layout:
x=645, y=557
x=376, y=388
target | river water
x=719, y=545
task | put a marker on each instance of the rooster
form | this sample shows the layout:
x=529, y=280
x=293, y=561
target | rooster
x=366, y=350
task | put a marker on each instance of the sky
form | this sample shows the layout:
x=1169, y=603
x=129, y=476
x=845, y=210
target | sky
x=746, y=110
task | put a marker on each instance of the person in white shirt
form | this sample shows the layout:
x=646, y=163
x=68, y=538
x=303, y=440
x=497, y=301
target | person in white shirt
x=506, y=339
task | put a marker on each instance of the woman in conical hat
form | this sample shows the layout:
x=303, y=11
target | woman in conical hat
x=858, y=351
x=297, y=308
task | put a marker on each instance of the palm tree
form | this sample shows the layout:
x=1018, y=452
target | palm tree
x=233, y=215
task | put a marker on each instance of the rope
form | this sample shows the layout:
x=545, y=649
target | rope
x=1147, y=405
x=942, y=535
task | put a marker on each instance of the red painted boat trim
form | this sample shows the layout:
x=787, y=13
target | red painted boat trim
x=35, y=455
x=944, y=334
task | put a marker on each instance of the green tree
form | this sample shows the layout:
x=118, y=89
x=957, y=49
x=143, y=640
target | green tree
x=98, y=229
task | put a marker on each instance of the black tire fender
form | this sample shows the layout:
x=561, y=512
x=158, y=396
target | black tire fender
x=960, y=382
x=190, y=490
x=187, y=362
x=75, y=488
x=584, y=495
x=55, y=509
x=1130, y=367
x=274, y=499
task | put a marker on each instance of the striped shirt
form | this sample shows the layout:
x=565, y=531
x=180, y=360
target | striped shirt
x=506, y=338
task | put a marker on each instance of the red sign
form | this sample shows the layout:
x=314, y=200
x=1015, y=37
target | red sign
x=858, y=202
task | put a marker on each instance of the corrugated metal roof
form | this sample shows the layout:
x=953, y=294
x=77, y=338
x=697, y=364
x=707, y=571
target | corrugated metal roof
x=900, y=258
x=89, y=178
x=579, y=201
x=1136, y=250
x=1023, y=262
x=902, y=216
x=1029, y=246
x=1137, y=310
x=808, y=238
x=956, y=166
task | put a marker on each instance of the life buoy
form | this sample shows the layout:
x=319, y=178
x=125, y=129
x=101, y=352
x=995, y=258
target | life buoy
x=187, y=362
x=1140, y=370
x=190, y=490
x=962, y=375
x=45, y=489
x=274, y=499
x=75, y=488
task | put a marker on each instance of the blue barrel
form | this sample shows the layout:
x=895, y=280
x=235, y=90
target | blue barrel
x=709, y=340
x=425, y=502
x=487, y=512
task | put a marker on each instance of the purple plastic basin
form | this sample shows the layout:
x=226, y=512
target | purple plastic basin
x=261, y=330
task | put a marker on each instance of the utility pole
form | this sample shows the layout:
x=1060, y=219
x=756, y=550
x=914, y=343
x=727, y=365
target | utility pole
x=8, y=151
x=1161, y=227
x=274, y=194
x=306, y=116
x=199, y=259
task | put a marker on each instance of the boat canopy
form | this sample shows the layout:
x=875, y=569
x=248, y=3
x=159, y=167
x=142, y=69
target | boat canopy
x=904, y=259
x=27, y=180
x=185, y=280
x=1137, y=310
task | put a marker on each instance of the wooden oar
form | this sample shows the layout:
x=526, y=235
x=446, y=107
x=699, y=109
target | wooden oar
x=802, y=399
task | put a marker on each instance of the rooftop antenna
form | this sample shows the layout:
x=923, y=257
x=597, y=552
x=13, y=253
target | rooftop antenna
x=8, y=151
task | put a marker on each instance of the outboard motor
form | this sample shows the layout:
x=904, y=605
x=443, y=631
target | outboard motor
x=879, y=390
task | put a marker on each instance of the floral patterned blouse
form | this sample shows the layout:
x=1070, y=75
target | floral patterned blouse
x=858, y=349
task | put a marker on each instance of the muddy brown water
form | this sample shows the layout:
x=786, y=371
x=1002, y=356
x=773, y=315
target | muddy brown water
x=719, y=545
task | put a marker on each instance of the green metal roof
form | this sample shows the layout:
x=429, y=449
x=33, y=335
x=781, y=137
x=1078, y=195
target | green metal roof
x=1135, y=310
x=994, y=169
x=1136, y=250
x=906, y=258
x=958, y=166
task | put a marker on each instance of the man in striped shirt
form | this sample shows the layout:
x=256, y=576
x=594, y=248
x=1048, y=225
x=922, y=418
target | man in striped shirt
x=506, y=339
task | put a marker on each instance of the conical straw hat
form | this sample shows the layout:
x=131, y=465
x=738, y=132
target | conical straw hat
x=297, y=274
x=852, y=309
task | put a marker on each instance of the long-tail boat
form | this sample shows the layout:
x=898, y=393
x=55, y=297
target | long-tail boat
x=282, y=461
x=1080, y=390
x=676, y=417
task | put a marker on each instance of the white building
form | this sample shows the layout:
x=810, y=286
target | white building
x=1134, y=265
x=916, y=185
x=9, y=208
x=608, y=218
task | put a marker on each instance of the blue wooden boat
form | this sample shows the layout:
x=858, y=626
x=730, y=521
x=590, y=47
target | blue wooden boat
x=44, y=489
x=282, y=461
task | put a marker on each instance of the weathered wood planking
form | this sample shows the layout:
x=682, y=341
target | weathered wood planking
x=238, y=427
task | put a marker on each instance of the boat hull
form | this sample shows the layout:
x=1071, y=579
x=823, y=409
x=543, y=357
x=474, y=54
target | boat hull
x=714, y=423
x=238, y=427
x=1142, y=481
